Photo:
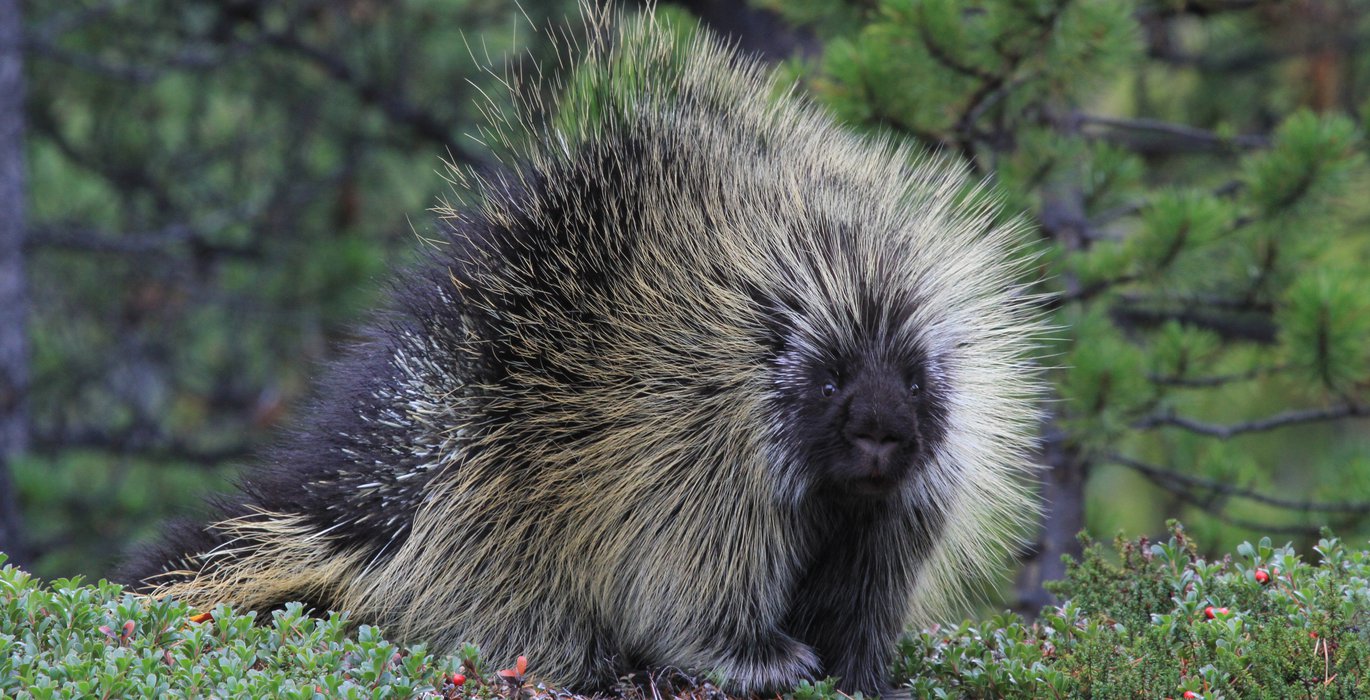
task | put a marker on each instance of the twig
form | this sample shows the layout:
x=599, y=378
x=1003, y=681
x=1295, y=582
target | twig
x=1206, y=505
x=391, y=103
x=1280, y=420
x=1184, y=137
x=144, y=445
x=1256, y=328
x=1217, y=379
x=1226, y=489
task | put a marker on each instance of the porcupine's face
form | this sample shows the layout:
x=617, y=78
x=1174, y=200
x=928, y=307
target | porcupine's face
x=863, y=422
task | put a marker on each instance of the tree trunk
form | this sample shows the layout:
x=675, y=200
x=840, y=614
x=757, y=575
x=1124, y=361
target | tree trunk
x=1063, y=504
x=14, y=365
x=1063, y=485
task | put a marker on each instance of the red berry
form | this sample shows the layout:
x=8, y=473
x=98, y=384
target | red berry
x=1190, y=695
x=1261, y=576
x=458, y=679
x=1211, y=612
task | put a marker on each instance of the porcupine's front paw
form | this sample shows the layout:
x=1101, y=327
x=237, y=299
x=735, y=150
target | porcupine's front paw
x=871, y=682
x=770, y=665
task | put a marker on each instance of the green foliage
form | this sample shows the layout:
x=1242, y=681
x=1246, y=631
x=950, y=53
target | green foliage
x=930, y=65
x=81, y=493
x=1177, y=220
x=69, y=640
x=1153, y=619
x=1326, y=321
x=1161, y=621
x=1107, y=379
x=1310, y=155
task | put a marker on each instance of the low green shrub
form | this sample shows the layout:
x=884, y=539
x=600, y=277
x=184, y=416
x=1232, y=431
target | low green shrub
x=1165, y=623
x=1156, y=621
x=69, y=640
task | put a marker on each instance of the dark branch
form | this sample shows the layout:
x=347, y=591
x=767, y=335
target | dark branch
x=1198, y=8
x=1256, y=58
x=1275, y=422
x=394, y=106
x=1225, y=489
x=186, y=59
x=1205, y=300
x=1089, y=291
x=1216, y=380
x=1155, y=136
x=144, y=443
x=1256, y=328
x=1182, y=486
x=153, y=242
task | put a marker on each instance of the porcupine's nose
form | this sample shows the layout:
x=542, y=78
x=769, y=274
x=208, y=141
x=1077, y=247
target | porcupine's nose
x=875, y=421
x=876, y=442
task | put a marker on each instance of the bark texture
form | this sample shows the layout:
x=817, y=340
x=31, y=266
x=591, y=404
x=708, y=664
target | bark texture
x=14, y=364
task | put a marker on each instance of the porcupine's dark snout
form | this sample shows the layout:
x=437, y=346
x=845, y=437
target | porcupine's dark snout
x=881, y=432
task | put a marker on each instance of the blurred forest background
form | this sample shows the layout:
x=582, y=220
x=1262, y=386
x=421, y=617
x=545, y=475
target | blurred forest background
x=199, y=198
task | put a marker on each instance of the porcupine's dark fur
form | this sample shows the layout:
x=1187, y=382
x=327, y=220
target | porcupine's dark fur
x=704, y=382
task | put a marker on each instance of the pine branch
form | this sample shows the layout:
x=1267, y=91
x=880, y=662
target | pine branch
x=1259, y=329
x=1275, y=422
x=1215, y=380
x=160, y=241
x=390, y=102
x=994, y=86
x=1232, y=187
x=144, y=443
x=1158, y=136
x=1242, y=305
x=1226, y=489
x=940, y=54
x=1181, y=487
x=1089, y=291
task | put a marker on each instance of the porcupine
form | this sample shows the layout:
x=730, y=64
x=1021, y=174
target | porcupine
x=701, y=380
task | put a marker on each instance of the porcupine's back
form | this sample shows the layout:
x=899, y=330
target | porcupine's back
x=571, y=416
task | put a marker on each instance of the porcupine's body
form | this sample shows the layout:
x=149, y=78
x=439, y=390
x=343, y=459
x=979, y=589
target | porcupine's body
x=706, y=382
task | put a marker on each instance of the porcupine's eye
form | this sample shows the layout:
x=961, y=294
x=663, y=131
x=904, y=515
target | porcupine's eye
x=829, y=388
x=914, y=389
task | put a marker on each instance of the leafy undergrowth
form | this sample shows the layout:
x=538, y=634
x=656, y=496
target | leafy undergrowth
x=1165, y=623
x=1161, y=623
